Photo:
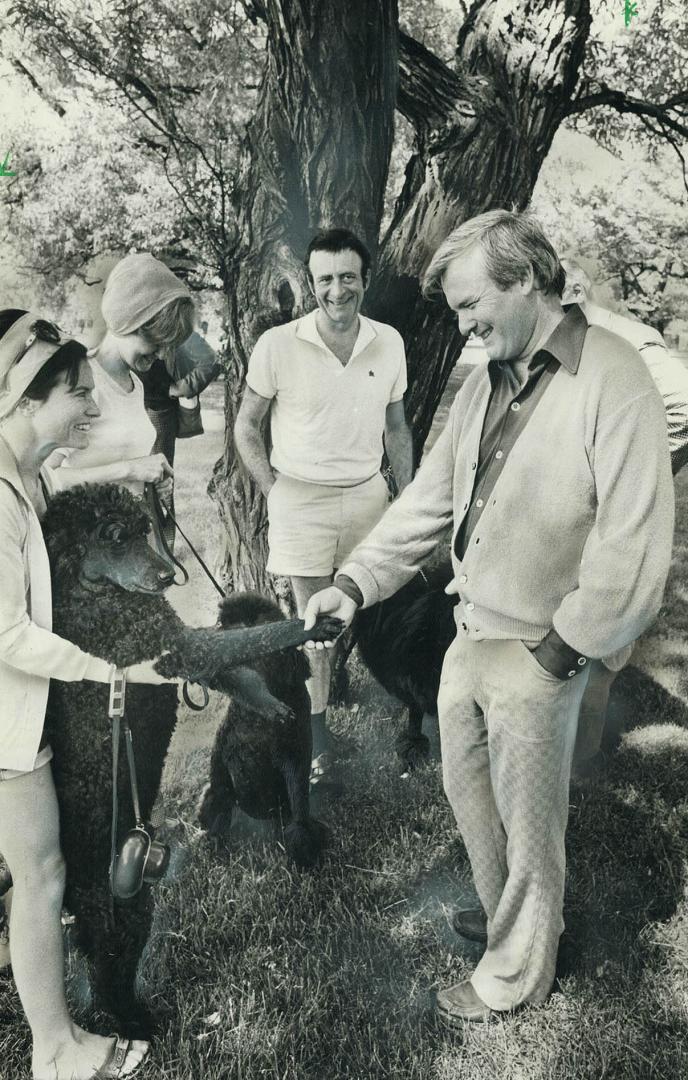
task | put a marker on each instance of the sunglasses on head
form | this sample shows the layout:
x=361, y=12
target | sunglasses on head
x=40, y=330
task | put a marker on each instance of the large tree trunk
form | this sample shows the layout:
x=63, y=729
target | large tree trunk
x=317, y=153
x=483, y=131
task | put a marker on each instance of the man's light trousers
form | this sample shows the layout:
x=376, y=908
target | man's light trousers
x=508, y=729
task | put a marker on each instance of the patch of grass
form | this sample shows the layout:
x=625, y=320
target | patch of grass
x=262, y=972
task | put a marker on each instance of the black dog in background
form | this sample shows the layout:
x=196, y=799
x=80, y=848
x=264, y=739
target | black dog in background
x=402, y=642
x=260, y=764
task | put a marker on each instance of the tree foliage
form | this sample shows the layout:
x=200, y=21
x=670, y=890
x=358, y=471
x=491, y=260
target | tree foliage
x=632, y=227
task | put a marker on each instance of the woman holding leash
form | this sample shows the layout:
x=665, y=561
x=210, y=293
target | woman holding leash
x=46, y=401
x=148, y=312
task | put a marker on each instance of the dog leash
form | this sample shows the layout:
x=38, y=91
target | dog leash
x=116, y=714
x=119, y=725
x=150, y=861
x=161, y=513
x=157, y=514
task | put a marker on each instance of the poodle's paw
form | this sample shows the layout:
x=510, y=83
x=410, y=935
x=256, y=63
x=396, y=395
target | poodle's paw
x=327, y=628
x=413, y=750
x=214, y=814
x=139, y=1021
x=278, y=711
x=304, y=842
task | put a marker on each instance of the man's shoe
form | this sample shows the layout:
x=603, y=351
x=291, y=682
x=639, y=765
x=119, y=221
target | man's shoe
x=461, y=1002
x=471, y=924
x=321, y=768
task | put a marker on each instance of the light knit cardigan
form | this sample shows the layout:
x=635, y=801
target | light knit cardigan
x=577, y=532
x=30, y=654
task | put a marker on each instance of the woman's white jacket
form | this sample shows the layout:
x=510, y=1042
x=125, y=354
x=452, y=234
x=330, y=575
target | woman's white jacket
x=30, y=655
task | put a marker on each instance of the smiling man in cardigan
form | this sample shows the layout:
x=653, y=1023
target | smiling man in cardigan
x=554, y=469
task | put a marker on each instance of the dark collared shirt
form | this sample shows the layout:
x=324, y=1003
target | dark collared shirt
x=516, y=392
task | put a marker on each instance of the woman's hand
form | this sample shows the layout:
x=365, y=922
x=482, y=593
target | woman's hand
x=145, y=672
x=165, y=489
x=150, y=469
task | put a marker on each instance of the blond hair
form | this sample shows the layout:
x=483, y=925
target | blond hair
x=170, y=326
x=512, y=243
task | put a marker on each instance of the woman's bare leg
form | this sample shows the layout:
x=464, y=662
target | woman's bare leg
x=30, y=843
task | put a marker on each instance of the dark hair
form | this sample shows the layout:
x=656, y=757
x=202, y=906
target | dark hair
x=335, y=240
x=8, y=317
x=65, y=361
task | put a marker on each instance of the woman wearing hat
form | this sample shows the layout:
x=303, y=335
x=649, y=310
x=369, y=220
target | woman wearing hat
x=147, y=311
x=46, y=401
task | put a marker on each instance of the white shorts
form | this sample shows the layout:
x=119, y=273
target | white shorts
x=42, y=758
x=313, y=528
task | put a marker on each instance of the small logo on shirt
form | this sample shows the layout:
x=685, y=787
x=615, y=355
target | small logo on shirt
x=372, y=374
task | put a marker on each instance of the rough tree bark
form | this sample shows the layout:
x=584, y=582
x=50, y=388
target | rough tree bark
x=317, y=154
x=483, y=132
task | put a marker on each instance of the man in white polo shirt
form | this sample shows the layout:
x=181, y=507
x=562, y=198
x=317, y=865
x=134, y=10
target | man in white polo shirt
x=333, y=383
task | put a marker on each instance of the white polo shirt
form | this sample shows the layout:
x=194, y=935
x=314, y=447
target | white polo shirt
x=327, y=418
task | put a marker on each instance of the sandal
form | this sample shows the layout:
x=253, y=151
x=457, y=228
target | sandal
x=111, y=1069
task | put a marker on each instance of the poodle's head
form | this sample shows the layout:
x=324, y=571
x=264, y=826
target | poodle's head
x=96, y=538
x=247, y=609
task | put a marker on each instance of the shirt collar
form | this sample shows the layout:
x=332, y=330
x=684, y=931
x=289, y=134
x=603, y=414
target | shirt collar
x=307, y=330
x=565, y=343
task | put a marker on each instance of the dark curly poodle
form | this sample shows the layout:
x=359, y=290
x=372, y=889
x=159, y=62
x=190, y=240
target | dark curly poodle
x=402, y=641
x=263, y=766
x=107, y=598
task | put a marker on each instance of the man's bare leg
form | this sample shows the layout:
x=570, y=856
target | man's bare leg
x=318, y=685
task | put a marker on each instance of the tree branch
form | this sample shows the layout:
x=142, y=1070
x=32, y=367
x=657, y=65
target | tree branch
x=656, y=118
x=616, y=99
x=431, y=95
x=23, y=70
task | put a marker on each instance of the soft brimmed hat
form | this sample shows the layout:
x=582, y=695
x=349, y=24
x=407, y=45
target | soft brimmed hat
x=25, y=348
x=138, y=288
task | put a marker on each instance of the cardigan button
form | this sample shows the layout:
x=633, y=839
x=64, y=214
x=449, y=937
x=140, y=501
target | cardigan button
x=582, y=660
x=571, y=674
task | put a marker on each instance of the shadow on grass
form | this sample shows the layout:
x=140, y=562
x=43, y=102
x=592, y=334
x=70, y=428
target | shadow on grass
x=627, y=841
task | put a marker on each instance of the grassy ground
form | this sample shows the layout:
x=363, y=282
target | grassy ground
x=261, y=971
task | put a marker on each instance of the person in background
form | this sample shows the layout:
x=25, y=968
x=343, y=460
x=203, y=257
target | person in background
x=46, y=401
x=671, y=379
x=554, y=471
x=332, y=383
x=146, y=309
x=669, y=374
x=173, y=382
